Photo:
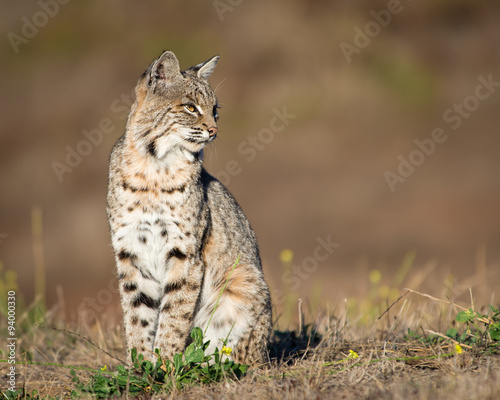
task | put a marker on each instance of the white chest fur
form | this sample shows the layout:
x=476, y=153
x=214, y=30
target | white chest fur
x=150, y=227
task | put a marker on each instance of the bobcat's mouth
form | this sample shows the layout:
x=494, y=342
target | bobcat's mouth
x=199, y=136
x=193, y=140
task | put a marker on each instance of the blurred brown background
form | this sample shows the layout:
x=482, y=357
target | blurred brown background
x=67, y=68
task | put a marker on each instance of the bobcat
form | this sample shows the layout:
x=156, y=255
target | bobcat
x=176, y=231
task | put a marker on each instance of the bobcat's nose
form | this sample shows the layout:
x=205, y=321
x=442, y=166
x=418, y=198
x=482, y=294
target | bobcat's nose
x=212, y=131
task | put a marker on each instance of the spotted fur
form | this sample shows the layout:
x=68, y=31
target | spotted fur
x=176, y=231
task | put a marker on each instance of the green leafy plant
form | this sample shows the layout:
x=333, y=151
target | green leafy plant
x=20, y=394
x=482, y=330
x=193, y=367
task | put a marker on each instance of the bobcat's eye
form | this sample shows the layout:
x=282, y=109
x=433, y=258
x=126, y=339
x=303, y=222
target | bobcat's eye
x=215, y=113
x=190, y=108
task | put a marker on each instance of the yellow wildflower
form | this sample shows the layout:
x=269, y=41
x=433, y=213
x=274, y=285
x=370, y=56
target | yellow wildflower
x=286, y=256
x=375, y=276
x=458, y=349
x=353, y=355
x=104, y=368
x=226, y=350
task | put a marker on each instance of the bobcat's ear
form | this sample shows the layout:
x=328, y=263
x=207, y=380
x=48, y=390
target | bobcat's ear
x=205, y=69
x=166, y=68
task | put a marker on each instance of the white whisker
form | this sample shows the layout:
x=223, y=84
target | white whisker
x=219, y=85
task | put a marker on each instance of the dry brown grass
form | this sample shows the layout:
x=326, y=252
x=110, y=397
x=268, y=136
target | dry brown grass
x=309, y=362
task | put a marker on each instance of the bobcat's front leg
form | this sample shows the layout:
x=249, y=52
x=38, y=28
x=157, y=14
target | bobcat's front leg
x=181, y=291
x=140, y=297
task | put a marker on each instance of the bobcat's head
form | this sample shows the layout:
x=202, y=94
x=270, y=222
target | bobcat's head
x=174, y=110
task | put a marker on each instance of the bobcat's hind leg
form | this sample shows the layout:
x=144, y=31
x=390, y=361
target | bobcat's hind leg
x=243, y=315
x=252, y=346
